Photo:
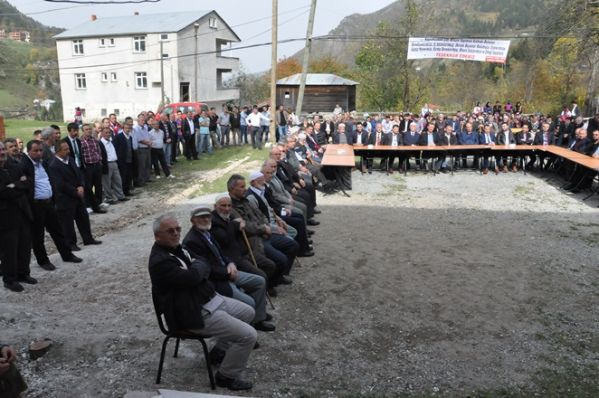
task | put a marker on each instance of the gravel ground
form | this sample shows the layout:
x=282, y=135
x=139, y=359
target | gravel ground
x=422, y=286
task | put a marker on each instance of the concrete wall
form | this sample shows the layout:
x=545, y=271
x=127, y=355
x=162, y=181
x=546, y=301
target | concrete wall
x=122, y=95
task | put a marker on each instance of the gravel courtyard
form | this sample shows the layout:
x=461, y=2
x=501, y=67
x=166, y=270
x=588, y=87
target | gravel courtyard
x=463, y=285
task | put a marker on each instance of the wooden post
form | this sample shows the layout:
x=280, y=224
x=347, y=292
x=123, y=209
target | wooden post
x=2, y=130
x=307, y=48
x=273, y=69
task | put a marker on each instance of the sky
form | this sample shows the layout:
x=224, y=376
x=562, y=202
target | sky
x=249, y=19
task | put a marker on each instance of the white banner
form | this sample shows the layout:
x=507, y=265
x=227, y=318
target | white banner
x=483, y=50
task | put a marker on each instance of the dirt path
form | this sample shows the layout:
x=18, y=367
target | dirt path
x=441, y=285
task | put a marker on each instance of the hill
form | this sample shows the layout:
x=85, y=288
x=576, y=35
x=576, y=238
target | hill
x=438, y=17
x=27, y=70
x=12, y=19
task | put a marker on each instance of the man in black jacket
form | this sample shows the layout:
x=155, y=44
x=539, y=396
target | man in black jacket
x=41, y=200
x=227, y=279
x=15, y=235
x=123, y=144
x=68, y=188
x=189, y=302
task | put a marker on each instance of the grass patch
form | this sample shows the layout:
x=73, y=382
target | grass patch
x=24, y=129
x=523, y=190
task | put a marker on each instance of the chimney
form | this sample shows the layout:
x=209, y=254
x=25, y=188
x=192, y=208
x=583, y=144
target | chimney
x=94, y=17
x=136, y=13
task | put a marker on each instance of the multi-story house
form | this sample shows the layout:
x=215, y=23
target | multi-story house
x=125, y=65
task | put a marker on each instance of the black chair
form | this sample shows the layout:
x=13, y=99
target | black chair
x=180, y=335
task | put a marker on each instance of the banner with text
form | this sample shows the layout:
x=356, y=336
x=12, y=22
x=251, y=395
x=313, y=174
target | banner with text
x=483, y=50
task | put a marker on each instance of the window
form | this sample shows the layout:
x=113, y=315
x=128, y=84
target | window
x=113, y=76
x=80, y=83
x=117, y=112
x=103, y=112
x=212, y=23
x=141, y=80
x=111, y=42
x=139, y=44
x=102, y=42
x=164, y=36
x=164, y=55
x=77, y=47
x=104, y=76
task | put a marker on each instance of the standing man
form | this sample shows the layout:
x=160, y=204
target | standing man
x=123, y=145
x=41, y=200
x=282, y=117
x=243, y=126
x=188, y=129
x=204, y=142
x=224, y=122
x=142, y=145
x=69, y=191
x=112, y=184
x=254, y=121
x=157, y=151
x=213, y=127
x=92, y=169
x=15, y=235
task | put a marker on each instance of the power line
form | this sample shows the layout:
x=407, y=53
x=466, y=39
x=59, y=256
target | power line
x=105, y=53
x=103, y=2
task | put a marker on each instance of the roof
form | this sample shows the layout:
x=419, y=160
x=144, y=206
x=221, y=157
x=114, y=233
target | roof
x=143, y=23
x=316, y=79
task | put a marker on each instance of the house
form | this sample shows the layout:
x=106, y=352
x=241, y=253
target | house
x=322, y=93
x=125, y=65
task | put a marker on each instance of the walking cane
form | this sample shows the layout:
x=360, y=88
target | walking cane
x=247, y=243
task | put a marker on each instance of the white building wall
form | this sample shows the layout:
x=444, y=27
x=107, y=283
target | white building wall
x=121, y=95
x=207, y=63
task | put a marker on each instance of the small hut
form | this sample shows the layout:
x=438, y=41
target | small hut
x=322, y=94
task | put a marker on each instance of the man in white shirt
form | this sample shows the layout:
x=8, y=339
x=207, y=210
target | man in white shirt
x=253, y=122
x=112, y=185
x=157, y=152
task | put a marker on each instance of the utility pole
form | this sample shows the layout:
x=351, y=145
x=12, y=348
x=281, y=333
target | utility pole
x=273, y=68
x=195, y=63
x=308, y=47
x=161, y=74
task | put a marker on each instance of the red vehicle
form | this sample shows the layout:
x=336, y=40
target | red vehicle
x=184, y=107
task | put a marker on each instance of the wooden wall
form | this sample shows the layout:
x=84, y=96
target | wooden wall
x=318, y=98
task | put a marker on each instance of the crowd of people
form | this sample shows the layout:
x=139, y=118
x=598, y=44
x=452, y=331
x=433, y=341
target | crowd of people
x=216, y=279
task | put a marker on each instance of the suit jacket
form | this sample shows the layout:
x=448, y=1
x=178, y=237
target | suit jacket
x=14, y=206
x=72, y=151
x=481, y=138
x=388, y=139
x=348, y=134
x=121, y=142
x=321, y=137
x=468, y=139
x=581, y=145
x=453, y=140
x=500, y=138
x=424, y=139
x=186, y=130
x=591, y=148
x=179, y=292
x=539, y=138
x=199, y=247
x=65, y=180
x=409, y=139
x=524, y=139
x=47, y=154
x=228, y=236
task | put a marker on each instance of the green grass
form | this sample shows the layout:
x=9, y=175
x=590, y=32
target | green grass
x=220, y=159
x=23, y=129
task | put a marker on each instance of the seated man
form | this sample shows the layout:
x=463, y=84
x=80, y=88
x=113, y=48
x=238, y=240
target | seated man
x=281, y=219
x=279, y=248
x=228, y=229
x=430, y=138
x=227, y=280
x=11, y=381
x=189, y=302
x=583, y=177
x=394, y=138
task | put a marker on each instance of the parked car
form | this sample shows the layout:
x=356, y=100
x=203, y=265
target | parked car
x=195, y=107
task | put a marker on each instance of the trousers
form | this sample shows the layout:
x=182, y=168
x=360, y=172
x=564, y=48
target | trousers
x=251, y=289
x=229, y=324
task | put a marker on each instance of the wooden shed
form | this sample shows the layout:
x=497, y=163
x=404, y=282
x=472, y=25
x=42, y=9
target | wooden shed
x=323, y=92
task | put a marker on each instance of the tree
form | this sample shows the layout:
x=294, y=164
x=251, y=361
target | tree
x=287, y=67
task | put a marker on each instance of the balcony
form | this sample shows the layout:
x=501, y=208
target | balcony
x=227, y=63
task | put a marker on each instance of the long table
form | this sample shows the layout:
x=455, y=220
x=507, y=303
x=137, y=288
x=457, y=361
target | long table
x=344, y=155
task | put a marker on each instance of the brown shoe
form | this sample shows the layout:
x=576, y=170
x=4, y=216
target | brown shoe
x=505, y=169
x=514, y=169
x=486, y=171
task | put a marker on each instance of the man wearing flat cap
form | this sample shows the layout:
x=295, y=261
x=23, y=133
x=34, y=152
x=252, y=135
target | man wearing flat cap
x=227, y=279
